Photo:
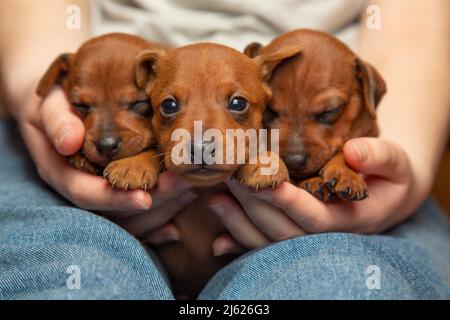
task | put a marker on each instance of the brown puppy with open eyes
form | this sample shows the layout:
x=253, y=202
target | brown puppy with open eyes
x=99, y=82
x=321, y=99
x=221, y=89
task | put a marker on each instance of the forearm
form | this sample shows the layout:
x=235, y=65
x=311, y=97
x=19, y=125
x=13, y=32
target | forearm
x=412, y=52
x=32, y=34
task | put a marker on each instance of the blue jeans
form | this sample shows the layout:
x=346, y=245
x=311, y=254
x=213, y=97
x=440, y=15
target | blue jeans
x=51, y=250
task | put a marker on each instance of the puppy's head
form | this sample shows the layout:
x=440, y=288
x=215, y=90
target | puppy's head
x=321, y=99
x=198, y=92
x=99, y=82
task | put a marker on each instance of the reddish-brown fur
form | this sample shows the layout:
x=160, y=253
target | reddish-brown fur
x=100, y=77
x=327, y=75
x=203, y=78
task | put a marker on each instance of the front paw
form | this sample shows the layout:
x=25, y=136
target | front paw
x=344, y=183
x=127, y=174
x=317, y=188
x=79, y=161
x=252, y=176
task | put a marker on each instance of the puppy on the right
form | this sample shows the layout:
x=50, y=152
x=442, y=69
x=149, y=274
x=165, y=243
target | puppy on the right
x=321, y=98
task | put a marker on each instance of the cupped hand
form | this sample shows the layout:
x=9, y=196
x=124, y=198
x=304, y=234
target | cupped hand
x=255, y=219
x=51, y=131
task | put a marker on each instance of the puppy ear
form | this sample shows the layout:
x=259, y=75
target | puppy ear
x=373, y=85
x=270, y=61
x=54, y=74
x=145, y=66
x=253, y=49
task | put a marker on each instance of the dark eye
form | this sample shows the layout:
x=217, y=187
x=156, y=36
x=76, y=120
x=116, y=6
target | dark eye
x=82, y=108
x=169, y=106
x=238, y=104
x=328, y=117
x=141, y=108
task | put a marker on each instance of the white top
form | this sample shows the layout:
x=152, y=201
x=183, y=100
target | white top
x=231, y=22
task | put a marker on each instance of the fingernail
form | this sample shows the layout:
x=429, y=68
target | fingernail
x=219, y=252
x=361, y=150
x=188, y=197
x=137, y=204
x=264, y=195
x=220, y=210
x=62, y=135
x=171, y=236
x=224, y=249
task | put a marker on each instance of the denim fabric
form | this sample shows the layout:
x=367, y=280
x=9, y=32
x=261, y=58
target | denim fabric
x=42, y=235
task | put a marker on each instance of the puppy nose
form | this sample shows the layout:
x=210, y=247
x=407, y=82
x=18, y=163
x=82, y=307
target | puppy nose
x=108, y=145
x=198, y=148
x=296, y=161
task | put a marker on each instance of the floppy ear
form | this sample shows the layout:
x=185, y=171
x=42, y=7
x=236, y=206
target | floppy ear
x=54, y=74
x=253, y=49
x=373, y=85
x=145, y=66
x=270, y=61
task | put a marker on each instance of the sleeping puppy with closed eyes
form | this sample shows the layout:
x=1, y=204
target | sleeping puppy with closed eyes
x=321, y=99
x=99, y=82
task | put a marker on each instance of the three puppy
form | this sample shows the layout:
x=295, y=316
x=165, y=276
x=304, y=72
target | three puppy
x=134, y=94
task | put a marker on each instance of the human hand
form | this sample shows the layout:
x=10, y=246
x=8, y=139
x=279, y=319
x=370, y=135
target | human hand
x=51, y=130
x=288, y=211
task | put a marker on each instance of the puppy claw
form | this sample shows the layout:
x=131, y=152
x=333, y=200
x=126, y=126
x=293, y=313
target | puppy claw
x=330, y=185
x=307, y=187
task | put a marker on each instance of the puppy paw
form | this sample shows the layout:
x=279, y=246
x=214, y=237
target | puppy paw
x=344, y=183
x=127, y=174
x=317, y=188
x=79, y=161
x=252, y=176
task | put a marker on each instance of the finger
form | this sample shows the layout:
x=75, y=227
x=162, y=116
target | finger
x=167, y=233
x=374, y=156
x=155, y=218
x=311, y=214
x=226, y=244
x=237, y=222
x=272, y=221
x=84, y=190
x=314, y=216
x=63, y=127
x=169, y=187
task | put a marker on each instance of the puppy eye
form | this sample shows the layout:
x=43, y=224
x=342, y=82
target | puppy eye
x=328, y=117
x=169, y=106
x=238, y=104
x=141, y=108
x=82, y=108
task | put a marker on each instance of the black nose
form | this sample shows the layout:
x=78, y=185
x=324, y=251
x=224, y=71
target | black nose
x=202, y=148
x=108, y=145
x=296, y=161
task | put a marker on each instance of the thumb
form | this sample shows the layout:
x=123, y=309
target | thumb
x=63, y=127
x=375, y=156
